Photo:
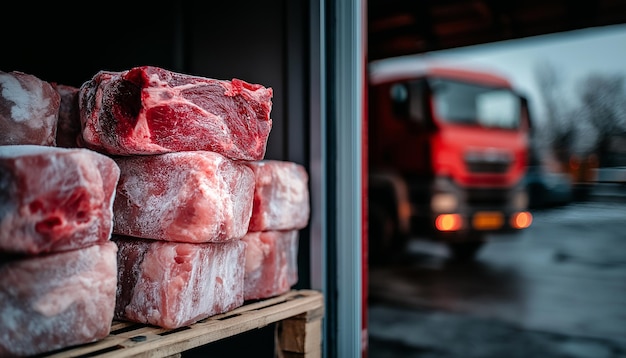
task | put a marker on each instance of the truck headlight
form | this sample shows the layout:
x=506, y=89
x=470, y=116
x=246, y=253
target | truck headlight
x=444, y=203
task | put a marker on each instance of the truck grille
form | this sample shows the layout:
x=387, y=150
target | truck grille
x=487, y=197
x=487, y=167
x=488, y=161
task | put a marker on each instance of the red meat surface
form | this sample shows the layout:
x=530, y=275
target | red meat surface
x=54, y=199
x=68, y=127
x=58, y=300
x=170, y=284
x=271, y=263
x=150, y=110
x=29, y=110
x=193, y=197
x=281, y=196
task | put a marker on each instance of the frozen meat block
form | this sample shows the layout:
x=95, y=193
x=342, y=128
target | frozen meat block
x=57, y=300
x=68, y=126
x=150, y=110
x=54, y=199
x=184, y=196
x=29, y=110
x=281, y=196
x=170, y=284
x=271, y=263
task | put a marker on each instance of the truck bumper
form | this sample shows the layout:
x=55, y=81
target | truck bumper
x=475, y=225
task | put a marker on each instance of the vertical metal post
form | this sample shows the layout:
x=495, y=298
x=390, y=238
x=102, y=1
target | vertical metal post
x=345, y=121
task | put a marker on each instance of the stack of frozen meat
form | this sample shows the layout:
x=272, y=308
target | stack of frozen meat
x=201, y=221
x=280, y=210
x=58, y=267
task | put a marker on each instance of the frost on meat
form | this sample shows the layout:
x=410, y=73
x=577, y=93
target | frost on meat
x=196, y=196
x=150, y=110
x=171, y=284
x=54, y=199
x=271, y=263
x=29, y=110
x=53, y=301
x=281, y=196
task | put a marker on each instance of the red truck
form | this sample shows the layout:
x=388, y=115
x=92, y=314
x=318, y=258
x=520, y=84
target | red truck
x=447, y=154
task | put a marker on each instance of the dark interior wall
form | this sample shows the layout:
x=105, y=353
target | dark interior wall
x=68, y=45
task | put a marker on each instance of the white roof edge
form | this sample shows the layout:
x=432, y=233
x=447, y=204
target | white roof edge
x=384, y=70
x=387, y=69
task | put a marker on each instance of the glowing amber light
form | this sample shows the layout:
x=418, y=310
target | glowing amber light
x=521, y=220
x=448, y=222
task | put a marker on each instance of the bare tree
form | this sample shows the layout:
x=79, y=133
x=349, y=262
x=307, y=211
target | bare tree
x=589, y=125
x=559, y=130
x=602, y=97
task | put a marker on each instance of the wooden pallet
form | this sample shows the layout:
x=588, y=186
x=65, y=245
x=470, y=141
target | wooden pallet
x=298, y=315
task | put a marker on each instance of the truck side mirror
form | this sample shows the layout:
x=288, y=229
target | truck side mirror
x=525, y=113
x=399, y=95
x=407, y=101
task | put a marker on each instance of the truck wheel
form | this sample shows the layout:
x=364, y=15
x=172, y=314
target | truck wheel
x=465, y=251
x=384, y=241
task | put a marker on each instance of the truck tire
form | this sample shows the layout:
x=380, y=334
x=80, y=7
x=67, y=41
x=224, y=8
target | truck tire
x=465, y=251
x=385, y=243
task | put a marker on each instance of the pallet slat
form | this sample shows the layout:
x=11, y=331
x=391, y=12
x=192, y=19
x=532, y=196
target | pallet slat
x=299, y=311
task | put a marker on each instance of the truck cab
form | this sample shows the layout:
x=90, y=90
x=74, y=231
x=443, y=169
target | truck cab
x=448, y=150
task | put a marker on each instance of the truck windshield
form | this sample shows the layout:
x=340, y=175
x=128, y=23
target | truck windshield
x=472, y=104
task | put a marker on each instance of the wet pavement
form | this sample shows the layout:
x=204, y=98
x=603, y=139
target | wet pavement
x=558, y=290
x=397, y=332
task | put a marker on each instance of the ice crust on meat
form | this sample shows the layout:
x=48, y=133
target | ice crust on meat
x=58, y=300
x=281, y=196
x=151, y=110
x=54, y=199
x=29, y=110
x=271, y=263
x=68, y=127
x=170, y=284
x=195, y=197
